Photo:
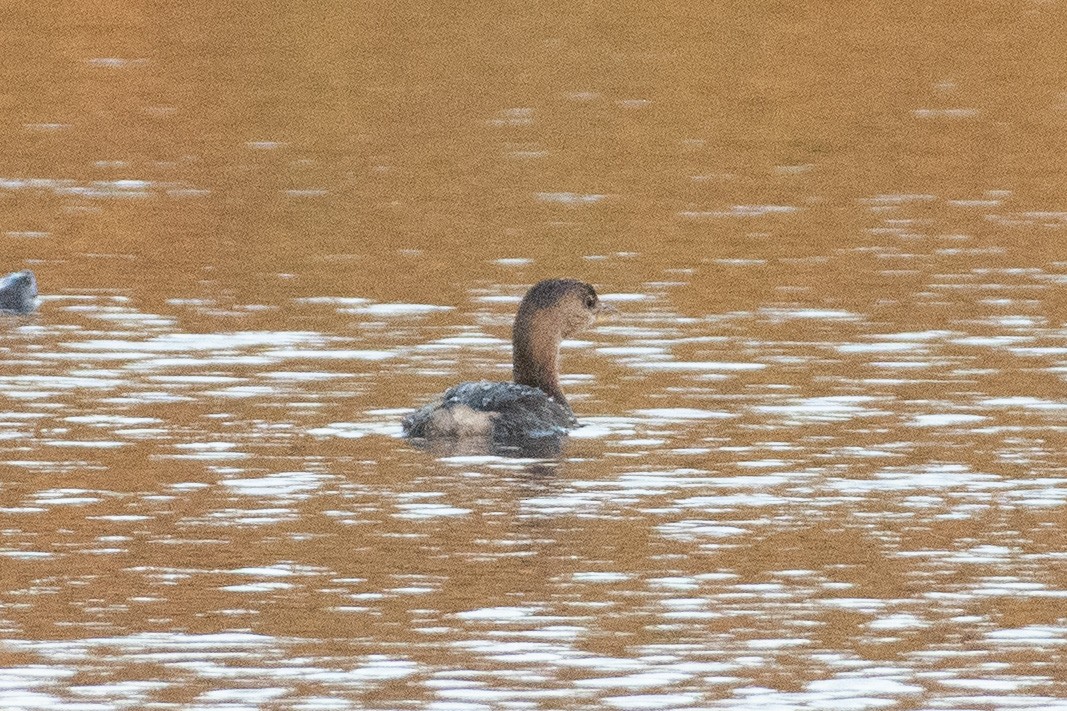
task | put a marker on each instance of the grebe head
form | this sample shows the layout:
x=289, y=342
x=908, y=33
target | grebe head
x=560, y=306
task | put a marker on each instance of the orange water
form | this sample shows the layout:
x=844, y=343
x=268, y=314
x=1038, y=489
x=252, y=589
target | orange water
x=822, y=456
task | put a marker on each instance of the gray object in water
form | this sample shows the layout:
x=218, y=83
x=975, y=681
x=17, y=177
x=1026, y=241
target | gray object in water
x=18, y=292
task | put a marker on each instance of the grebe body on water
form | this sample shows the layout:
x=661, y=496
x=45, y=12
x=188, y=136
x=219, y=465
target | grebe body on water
x=18, y=292
x=533, y=405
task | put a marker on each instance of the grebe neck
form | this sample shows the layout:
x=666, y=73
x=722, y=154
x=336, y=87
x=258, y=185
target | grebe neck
x=535, y=343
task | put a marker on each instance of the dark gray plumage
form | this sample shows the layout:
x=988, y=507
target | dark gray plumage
x=18, y=292
x=512, y=412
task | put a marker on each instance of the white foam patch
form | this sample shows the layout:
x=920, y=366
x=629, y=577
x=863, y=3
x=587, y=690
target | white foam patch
x=25, y=555
x=472, y=340
x=398, y=309
x=641, y=680
x=625, y=296
x=271, y=571
x=112, y=420
x=996, y=685
x=601, y=577
x=570, y=198
x=727, y=502
x=300, y=376
x=877, y=347
x=281, y=484
x=947, y=476
x=499, y=614
x=88, y=444
x=598, y=426
x=1036, y=635
x=328, y=354
x=683, y=413
x=637, y=351
x=688, y=530
x=932, y=335
x=860, y=686
x=243, y=696
x=830, y=408
x=738, y=211
x=186, y=342
x=944, y=419
x=812, y=314
x=420, y=511
x=68, y=497
x=257, y=587
x=1026, y=403
x=639, y=702
x=902, y=621
x=347, y=301
x=207, y=446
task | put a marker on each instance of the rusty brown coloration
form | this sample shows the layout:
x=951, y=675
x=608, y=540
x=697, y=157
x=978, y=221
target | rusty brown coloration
x=822, y=456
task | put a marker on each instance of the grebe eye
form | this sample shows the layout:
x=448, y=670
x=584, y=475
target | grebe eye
x=590, y=301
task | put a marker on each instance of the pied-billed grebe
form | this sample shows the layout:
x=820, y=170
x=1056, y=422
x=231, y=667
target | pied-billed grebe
x=533, y=405
x=18, y=292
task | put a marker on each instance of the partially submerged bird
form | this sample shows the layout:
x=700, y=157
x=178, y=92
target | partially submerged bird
x=18, y=292
x=532, y=406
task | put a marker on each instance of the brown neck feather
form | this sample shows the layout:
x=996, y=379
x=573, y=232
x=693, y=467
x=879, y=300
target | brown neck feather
x=535, y=358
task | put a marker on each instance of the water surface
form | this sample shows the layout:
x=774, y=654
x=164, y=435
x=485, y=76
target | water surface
x=821, y=456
